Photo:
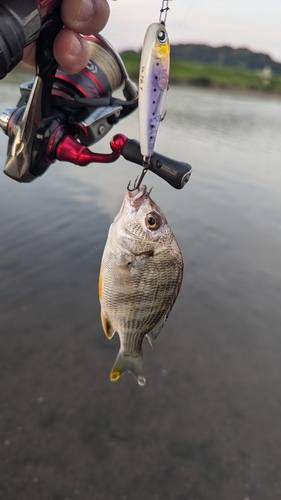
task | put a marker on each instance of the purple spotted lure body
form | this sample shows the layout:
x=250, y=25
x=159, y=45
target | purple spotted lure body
x=153, y=85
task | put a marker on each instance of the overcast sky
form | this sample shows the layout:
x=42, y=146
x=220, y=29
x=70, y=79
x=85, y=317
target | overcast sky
x=255, y=24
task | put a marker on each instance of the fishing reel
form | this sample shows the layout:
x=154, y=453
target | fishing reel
x=58, y=115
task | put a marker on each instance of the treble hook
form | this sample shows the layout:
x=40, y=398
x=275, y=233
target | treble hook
x=139, y=179
x=145, y=167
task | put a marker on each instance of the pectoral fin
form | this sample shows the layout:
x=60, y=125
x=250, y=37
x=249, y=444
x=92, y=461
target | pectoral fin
x=107, y=327
x=125, y=363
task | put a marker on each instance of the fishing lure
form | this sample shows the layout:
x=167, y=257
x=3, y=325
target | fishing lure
x=153, y=84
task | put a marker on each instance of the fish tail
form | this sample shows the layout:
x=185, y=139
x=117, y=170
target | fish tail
x=125, y=363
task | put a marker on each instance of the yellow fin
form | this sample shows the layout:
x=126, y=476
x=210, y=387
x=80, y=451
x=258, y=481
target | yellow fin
x=107, y=328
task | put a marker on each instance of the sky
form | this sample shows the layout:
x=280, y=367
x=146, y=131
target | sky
x=255, y=24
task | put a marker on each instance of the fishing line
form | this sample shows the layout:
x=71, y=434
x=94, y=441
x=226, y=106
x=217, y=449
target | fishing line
x=184, y=18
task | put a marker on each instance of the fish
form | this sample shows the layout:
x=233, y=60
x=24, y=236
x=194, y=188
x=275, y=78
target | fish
x=153, y=85
x=140, y=277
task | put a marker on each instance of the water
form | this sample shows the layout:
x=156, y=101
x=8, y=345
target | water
x=208, y=423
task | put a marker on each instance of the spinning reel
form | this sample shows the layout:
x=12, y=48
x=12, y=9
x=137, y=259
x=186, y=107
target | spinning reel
x=58, y=115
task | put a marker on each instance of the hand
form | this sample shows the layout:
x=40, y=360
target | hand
x=70, y=49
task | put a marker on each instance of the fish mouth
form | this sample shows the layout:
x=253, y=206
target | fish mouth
x=137, y=196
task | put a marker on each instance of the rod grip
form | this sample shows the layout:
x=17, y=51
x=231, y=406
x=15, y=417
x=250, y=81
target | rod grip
x=176, y=173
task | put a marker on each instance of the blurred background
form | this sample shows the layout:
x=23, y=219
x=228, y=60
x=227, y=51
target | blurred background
x=207, y=425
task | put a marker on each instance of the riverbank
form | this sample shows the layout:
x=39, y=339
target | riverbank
x=211, y=76
x=195, y=74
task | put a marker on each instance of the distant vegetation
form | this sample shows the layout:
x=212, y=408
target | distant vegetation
x=214, y=67
x=221, y=67
x=225, y=56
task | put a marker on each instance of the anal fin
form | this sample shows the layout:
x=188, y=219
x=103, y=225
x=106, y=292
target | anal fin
x=153, y=334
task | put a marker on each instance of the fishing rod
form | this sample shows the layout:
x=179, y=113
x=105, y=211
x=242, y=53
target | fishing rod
x=58, y=116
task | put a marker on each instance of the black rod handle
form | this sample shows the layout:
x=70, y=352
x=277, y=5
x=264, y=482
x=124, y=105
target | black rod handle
x=175, y=172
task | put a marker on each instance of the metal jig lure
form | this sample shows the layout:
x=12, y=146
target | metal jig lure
x=153, y=85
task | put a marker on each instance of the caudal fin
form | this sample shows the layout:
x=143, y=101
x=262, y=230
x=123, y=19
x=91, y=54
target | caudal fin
x=125, y=363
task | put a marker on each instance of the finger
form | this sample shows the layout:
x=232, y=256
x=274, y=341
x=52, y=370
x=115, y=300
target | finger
x=85, y=16
x=71, y=51
x=29, y=54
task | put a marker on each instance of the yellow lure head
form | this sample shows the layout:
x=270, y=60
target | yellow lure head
x=162, y=46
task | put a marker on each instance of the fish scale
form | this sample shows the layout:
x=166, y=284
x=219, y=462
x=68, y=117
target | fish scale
x=140, y=277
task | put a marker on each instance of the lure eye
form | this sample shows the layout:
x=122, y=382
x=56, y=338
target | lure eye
x=162, y=36
x=153, y=221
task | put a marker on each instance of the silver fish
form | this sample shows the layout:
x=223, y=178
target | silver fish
x=140, y=278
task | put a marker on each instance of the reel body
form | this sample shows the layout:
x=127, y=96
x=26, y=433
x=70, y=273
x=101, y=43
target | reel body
x=58, y=115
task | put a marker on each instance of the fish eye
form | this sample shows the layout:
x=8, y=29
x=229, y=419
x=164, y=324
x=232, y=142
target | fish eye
x=161, y=36
x=153, y=221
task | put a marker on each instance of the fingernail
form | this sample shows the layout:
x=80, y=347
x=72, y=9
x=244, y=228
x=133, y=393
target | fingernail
x=86, y=11
x=75, y=47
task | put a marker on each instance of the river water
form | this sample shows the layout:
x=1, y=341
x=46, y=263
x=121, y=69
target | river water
x=207, y=425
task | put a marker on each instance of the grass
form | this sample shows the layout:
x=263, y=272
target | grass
x=208, y=75
x=203, y=75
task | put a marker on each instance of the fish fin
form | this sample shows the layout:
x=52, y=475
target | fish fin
x=164, y=116
x=126, y=363
x=107, y=327
x=152, y=336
